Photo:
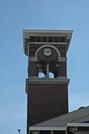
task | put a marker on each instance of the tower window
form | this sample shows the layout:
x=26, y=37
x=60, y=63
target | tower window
x=62, y=39
x=32, y=39
x=51, y=75
x=38, y=39
x=44, y=39
x=50, y=39
x=47, y=70
x=41, y=74
x=56, y=39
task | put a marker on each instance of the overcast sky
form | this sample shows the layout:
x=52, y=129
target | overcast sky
x=16, y=15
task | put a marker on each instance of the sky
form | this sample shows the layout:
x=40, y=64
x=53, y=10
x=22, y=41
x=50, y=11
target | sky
x=17, y=15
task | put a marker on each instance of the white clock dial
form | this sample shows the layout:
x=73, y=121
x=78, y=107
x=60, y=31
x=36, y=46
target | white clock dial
x=47, y=51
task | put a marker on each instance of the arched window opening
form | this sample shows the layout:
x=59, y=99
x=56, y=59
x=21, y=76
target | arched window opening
x=41, y=69
x=43, y=66
x=45, y=70
x=55, y=74
x=54, y=68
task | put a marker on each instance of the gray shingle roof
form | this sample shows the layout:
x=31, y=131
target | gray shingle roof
x=77, y=116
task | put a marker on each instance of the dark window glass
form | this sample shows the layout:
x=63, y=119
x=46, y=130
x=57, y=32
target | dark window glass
x=44, y=39
x=32, y=39
x=56, y=39
x=86, y=121
x=62, y=39
x=45, y=132
x=58, y=132
x=50, y=39
x=38, y=39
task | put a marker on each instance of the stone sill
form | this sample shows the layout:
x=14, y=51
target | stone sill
x=58, y=80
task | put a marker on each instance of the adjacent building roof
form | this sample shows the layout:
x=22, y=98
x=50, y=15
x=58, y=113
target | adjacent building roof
x=78, y=116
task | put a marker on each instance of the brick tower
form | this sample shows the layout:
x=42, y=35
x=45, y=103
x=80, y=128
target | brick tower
x=47, y=82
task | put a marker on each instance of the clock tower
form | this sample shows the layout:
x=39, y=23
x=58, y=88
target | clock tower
x=47, y=82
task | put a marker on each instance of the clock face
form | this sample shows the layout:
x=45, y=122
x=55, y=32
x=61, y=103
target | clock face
x=47, y=51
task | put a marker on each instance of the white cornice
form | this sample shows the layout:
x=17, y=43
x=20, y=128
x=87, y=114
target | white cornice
x=58, y=33
x=27, y=33
x=47, y=128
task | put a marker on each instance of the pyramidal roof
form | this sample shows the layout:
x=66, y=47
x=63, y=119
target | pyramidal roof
x=78, y=116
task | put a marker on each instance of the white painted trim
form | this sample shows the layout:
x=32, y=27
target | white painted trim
x=49, y=81
x=47, y=128
x=59, y=55
x=32, y=59
x=61, y=59
x=27, y=33
x=78, y=124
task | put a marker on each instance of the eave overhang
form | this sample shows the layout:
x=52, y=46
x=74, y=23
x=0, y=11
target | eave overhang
x=59, y=33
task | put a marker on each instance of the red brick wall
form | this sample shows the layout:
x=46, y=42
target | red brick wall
x=46, y=101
